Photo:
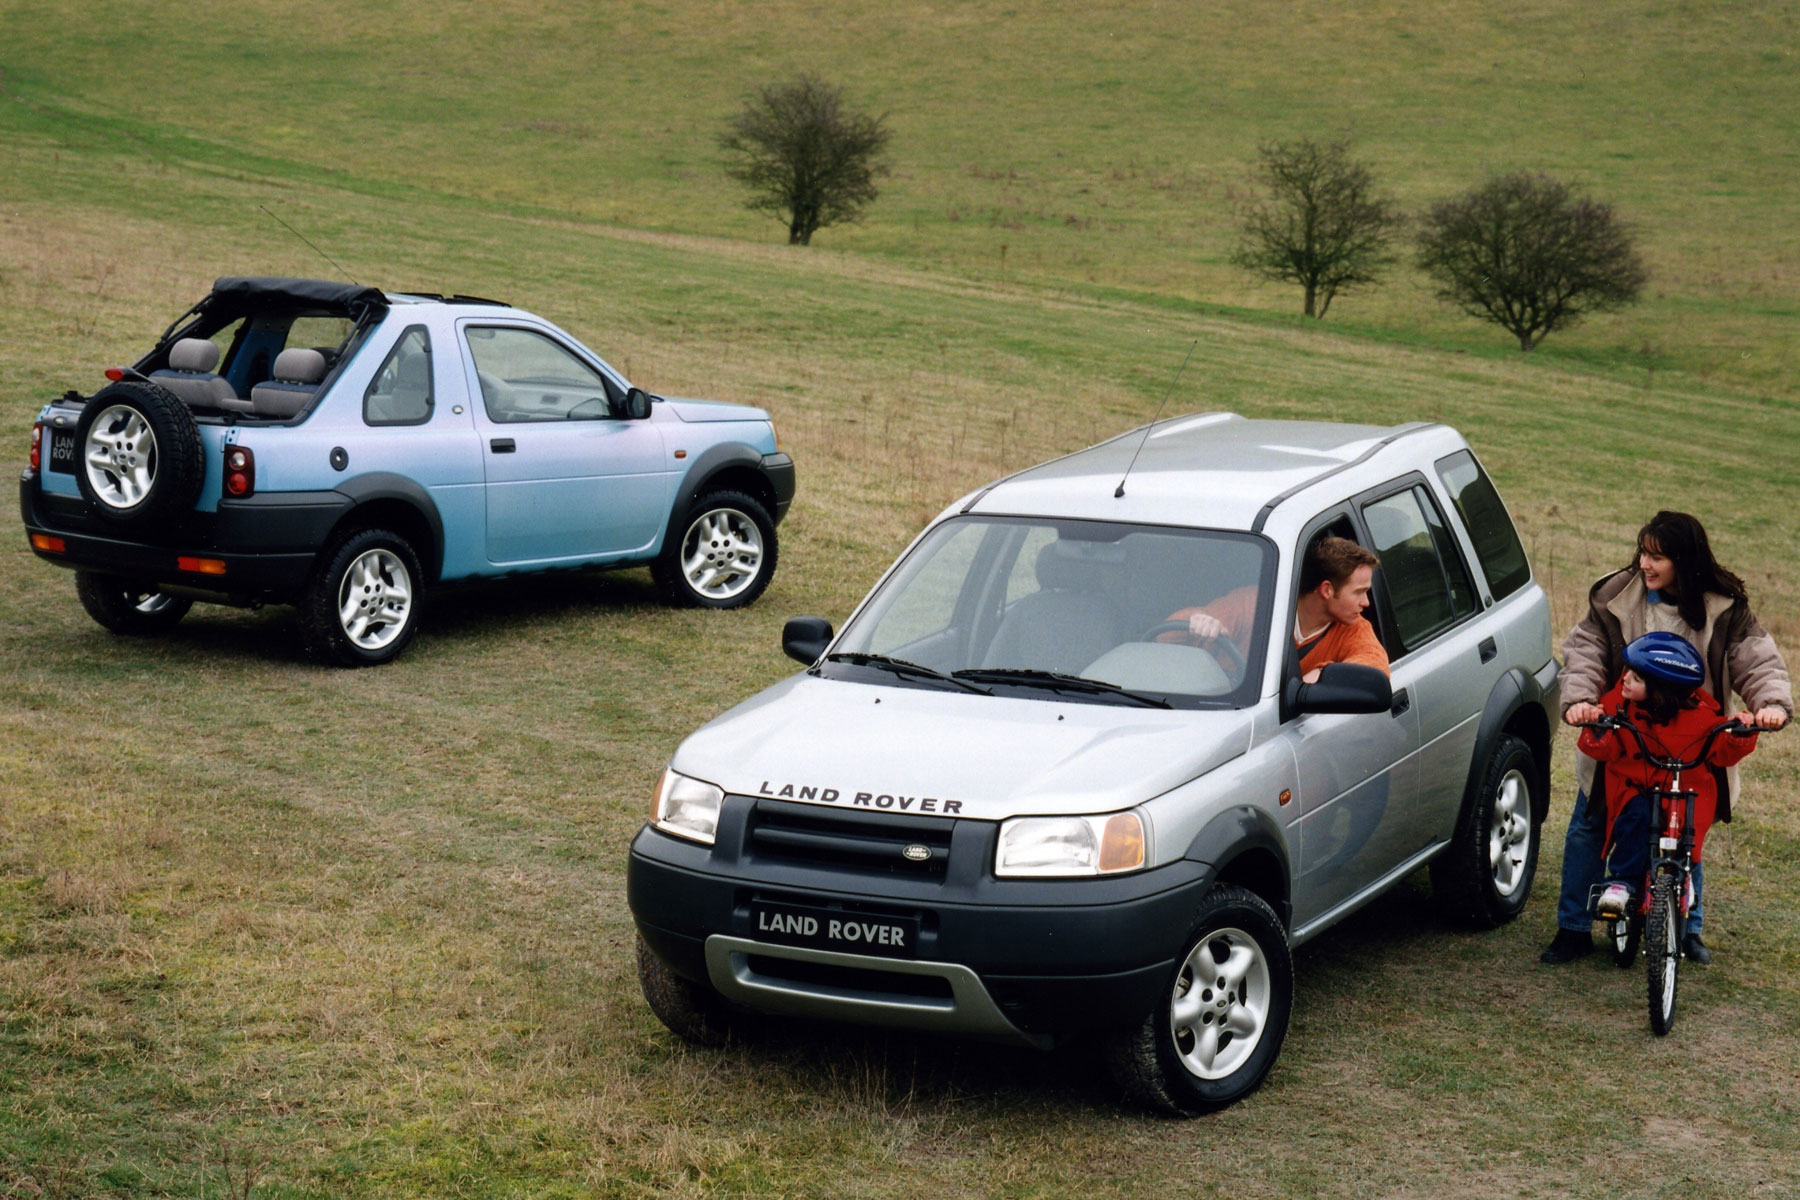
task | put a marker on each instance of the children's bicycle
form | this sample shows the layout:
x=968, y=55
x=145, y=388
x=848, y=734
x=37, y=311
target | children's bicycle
x=1657, y=912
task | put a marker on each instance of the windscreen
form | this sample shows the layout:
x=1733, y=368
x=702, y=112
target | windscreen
x=998, y=600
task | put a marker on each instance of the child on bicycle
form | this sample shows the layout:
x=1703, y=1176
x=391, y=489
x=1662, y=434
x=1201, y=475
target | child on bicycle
x=1659, y=692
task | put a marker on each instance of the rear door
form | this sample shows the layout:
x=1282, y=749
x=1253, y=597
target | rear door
x=1445, y=648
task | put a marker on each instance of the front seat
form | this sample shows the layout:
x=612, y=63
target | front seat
x=297, y=374
x=1069, y=621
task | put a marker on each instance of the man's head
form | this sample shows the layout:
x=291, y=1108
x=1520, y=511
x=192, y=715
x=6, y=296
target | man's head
x=1339, y=573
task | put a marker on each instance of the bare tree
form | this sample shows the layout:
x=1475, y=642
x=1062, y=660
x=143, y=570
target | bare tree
x=805, y=154
x=1527, y=253
x=1319, y=224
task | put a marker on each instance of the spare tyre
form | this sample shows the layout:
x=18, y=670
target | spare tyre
x=141, y=459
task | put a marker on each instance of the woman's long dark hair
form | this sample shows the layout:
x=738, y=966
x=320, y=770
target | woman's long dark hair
x=1681, y=539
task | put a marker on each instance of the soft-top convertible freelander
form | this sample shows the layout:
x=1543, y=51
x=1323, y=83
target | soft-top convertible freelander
x=339, y=448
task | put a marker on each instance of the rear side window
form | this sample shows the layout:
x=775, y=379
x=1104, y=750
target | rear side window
x=1427, y=585
x=400, y=394
x=1490, y=529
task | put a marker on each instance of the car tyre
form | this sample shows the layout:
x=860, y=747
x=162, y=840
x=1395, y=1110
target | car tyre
x=1483, y=877
x=128, y=607
x=361, y=607
x=1214, y=1038
x=723, y=556
x=140, y=458
x=693, y=1012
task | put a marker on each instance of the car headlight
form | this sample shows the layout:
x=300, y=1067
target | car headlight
x=1099, y=845
x=687, y=808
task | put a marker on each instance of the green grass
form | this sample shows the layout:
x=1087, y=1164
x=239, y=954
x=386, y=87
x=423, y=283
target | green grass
x=267, y=930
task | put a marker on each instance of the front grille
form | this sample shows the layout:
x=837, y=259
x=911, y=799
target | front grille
x=872, y=844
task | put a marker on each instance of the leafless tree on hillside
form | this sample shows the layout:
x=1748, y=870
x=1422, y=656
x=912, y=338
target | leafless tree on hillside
x=1319, y=223
x=806, y=155
x=1527, y=253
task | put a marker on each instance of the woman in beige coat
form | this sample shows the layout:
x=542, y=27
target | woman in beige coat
x=1676, y=586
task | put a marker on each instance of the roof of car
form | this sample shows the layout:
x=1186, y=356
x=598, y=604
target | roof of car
x=1218, y=470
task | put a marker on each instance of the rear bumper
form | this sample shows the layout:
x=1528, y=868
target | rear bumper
x=1028, y=961
x=257, y=549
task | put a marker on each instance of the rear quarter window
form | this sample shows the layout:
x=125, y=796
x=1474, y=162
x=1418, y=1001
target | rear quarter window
x=1496, y=541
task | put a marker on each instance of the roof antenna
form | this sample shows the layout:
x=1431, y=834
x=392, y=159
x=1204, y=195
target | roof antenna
x=1120, y=490
x=315, y=249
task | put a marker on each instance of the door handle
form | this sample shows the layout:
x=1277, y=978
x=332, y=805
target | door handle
x=501, y=445
x=1402, y=702
x=1488, y=649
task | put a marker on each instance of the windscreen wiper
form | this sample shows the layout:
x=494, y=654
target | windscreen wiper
x=1054, y=681
x=908, y=670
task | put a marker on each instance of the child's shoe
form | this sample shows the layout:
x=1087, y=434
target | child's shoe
x=1613, y=901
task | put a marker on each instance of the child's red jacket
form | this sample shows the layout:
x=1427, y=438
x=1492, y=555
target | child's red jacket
x=1628, y=774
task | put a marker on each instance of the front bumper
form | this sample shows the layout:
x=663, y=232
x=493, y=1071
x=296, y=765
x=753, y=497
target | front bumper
x=778, y=469
x=266, y=544
x=1034, y=961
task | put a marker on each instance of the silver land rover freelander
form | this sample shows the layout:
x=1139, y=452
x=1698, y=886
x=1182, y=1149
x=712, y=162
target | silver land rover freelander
x=1018, y=797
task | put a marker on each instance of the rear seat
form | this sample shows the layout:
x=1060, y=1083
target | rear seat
x=190, y=376
x=296, y=379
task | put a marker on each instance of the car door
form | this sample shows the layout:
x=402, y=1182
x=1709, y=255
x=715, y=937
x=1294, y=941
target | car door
x=1358, y=777
x=565, y=479
x=1445, y=648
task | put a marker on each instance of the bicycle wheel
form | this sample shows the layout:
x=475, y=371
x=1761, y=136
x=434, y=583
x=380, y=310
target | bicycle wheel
x=1662, y=950
x=1624, y=933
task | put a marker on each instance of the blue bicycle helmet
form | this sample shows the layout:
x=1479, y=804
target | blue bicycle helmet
x=1667, y=658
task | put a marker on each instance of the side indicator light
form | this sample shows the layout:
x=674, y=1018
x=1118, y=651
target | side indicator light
x=200, y=566
x=48, y=544
x=1286, y=797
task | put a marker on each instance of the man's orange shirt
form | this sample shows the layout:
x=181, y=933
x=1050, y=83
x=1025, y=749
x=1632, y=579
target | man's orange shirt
x=1354, y=642
x=1236, y=610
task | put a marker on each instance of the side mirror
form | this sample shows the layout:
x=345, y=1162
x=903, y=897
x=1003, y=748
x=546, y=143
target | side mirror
x=803, y=639
x=1342, y=688
x=635, y=405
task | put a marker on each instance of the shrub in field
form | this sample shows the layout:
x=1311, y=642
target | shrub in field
x=806, y=155
x=1529, y=254
x=1319, y=223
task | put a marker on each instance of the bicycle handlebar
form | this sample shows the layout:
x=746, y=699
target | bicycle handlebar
x=1733, y=726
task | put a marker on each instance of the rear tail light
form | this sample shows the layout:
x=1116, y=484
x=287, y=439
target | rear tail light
x=240, y=472
x=37, y=445
x=115, y=373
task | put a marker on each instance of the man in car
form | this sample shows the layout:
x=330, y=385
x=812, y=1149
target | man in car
x=1328, y=623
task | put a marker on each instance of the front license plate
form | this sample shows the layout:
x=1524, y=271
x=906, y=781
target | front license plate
x=62, y=451
x=830, y=929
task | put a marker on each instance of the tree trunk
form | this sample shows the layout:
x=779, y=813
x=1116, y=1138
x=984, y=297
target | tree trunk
x=1309, y=300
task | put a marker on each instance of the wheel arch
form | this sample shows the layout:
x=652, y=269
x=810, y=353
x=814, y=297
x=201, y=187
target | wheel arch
x=1514, y=707
x=394, y=502
x=1243, y=845
x=729, y=467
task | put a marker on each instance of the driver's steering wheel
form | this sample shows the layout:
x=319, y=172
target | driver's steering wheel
x=1216, y=645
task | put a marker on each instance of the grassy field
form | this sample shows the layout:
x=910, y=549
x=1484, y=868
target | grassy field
x=272, y=931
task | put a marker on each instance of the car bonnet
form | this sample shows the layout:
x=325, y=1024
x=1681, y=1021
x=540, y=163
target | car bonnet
x=875, y=747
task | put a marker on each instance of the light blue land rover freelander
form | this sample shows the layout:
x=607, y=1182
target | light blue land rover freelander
x=340, y=448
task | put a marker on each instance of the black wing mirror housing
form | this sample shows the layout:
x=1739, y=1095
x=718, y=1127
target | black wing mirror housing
x=632, y=406
x=804, y=639
x=1342, y=688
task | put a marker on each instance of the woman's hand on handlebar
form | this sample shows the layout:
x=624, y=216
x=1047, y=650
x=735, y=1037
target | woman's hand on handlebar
x=1585, y=714
x=1768, y=717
